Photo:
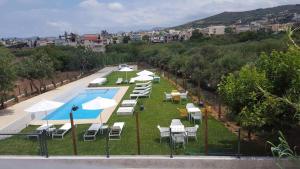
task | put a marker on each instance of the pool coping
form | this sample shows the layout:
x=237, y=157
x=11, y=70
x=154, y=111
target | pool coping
x=103, y=116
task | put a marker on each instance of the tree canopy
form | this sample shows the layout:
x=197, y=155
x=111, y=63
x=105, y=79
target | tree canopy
x=7, y=73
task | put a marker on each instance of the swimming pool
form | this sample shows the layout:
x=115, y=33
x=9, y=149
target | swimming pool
x=63, y=113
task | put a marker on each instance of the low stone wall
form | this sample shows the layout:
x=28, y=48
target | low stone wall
x=11, y=162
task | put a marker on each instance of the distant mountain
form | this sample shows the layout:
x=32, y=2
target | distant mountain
x=279, y=14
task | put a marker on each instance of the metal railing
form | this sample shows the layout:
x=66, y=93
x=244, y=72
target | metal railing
x=41, y=137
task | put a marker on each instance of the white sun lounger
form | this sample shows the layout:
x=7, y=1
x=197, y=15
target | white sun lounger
x=116, y=131
x=129, y=103
x=143, y=84
x=132, y=80
x=119, y=81
x=125, y=111
x=59, y=133
x=141, y=91
x=143, y=87
x=97, y=81
x=91, y=133
x=48, y=127
x=145, y=94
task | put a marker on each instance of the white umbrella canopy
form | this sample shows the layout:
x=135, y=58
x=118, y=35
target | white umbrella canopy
x=44, y=105
x=143, y=78
x=99, y=103
x=145, y=73
x=126, y=69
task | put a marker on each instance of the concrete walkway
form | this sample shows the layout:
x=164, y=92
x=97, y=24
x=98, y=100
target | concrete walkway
x=14, y=118
x=153, y=162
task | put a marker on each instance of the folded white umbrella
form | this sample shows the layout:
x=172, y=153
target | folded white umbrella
x=143, y=78
x=145, y=73
x=44, y=106
x=126, y=69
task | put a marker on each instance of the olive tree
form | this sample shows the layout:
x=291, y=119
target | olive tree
x=7, y=74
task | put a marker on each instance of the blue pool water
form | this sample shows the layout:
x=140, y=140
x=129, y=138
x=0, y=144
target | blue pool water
x=63, y=113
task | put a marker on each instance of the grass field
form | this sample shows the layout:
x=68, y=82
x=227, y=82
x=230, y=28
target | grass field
x=221, y=140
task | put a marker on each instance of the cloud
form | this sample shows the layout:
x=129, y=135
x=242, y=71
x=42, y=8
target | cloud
x=115, y=6
x=90, y=4
x=89, y=16
x=60, y=25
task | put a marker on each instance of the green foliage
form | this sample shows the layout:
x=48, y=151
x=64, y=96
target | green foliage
x=126, y=39
x=245, y=93
x=38, y=66
x=283, y=150
x=206, y=60
x=146, y=38
x=228, y=18
x=7, y=73
x=239, y=90
x=196, y=35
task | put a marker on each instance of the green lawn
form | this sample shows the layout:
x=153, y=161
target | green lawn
x=221, y=140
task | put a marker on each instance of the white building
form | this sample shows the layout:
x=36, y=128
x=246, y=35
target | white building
x=216, y=30
x=242, y=28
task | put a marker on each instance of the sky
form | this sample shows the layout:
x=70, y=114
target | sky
x=26, y=18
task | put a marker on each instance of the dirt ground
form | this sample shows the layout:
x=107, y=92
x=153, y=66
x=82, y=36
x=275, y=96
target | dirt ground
x=23, y=88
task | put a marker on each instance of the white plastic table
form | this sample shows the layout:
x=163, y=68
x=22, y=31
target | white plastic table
x=193, y=110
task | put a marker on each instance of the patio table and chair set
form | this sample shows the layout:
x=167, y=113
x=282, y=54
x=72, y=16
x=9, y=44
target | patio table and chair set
x=176, y=96
x=178, y=133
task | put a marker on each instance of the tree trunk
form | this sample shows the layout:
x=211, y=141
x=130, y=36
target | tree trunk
x=19, y=89
x=31, y=87
x=2, y=103
x=184, y=82
x=199, y=91
x=41, y=86
x=176, y=78
x=54, y=84
x=249, y=134
x=36, y=88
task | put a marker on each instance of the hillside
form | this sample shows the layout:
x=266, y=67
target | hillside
x=279, y=14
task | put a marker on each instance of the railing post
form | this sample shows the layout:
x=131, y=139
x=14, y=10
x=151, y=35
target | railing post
x=239, y=143
x=171, y=145
x=41, y=144
x=44, y=136
x=138, y=141
x=107, y=143
x=206, y=133
x=73, y=134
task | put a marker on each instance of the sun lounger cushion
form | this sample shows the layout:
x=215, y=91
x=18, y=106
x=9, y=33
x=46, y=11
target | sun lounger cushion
x=125, y=111
x=66, y=126
x=95, y=127
x=130, y=103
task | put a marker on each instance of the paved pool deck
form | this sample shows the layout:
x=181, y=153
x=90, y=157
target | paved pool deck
x=14, y=118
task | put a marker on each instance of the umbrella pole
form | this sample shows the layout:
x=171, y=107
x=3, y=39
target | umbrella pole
x=46, y=113
x=101, y=118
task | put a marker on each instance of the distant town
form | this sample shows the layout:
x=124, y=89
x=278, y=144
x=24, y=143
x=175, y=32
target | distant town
x=98, y=41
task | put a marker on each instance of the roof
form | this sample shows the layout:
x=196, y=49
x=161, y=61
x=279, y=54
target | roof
x=92, y=37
